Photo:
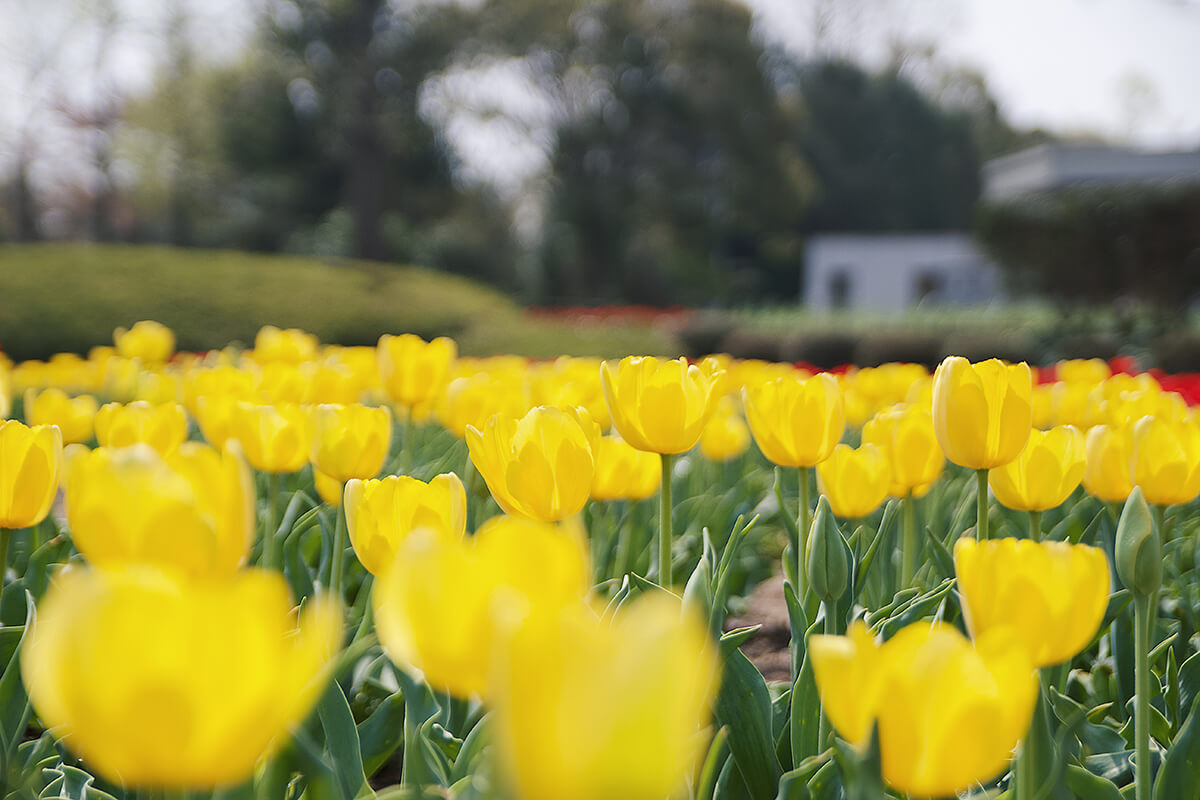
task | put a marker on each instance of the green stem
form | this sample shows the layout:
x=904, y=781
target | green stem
x=368, y=617
x=664, y=524
x=823, y=724
x=624, y=544
x=406, y=440
x=5, y=535
x=908, y=542
x=339, y=548
x=271, y=556
x=1160, y=519
x=1035, y=525
x=803, y=523
x=1143, y=621
x=981, y=505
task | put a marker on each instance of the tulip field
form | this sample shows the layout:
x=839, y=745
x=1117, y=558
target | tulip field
x=309, y=571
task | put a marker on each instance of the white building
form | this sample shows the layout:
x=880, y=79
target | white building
x=894, y=272
x=1049, y=167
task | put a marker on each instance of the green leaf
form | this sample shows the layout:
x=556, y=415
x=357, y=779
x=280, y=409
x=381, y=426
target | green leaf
x=1179, y=776
x=1086, y=786
x=794, y=783
x=886, y=524
x=1189, y=680
x=941, y=554
x=71, y=783
x=744, y=707
x=382, y=733
x=916, y=609
x=718, y=750
x=806, y=709
x=419, y=708
x=341, y=740
x=14, y=702
x=797, y=625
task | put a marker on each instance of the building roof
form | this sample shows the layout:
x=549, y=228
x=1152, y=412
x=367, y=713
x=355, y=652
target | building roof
x=1048, y=167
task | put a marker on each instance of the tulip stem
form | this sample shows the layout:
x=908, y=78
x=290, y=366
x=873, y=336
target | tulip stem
x=981, y=507
x=1035, y=525
x=1143, y=621
x=908, y=542
x=664, y=524
x=624, y=543
x=271, y=558
x=339, y=547
x=803, y=523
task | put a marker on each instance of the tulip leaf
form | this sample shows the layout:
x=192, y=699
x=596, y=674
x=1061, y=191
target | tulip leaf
x=1179, y=776
x=641, y=584
x=419, y=709
x=730, y=784
x=806, y=709
x=1086, y=786
x=341, y=740
x=468, y=754
x=15, y=709
x=71, y=783
x=794, y=783
x=1189, y=681
x=916, y=609
x=379, y=735
x=1115, y=766
x=744, y=706
x=739, y=636
x=798, y=626
x=886, y=524
x=295, y=569
x=941, y=554
x=621, y=595
x=1097, y=738
x=718, y=751
x=789, y=520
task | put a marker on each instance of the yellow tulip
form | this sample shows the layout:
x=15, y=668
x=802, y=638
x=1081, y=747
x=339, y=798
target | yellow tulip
x=30, y=460
x=191, y=510
x=569, y=382
x=351, y=441
x=163, y=427
x=441, y=604
x=330, y=489
x=1051, y=595
x=983, y=412
x=949, y=712
x=905, y=435
x=796, y=421
x=539, y=466
x=74, y=416
x=623, y=472
x=1043, y=476
x=592, y=710
x=1042, y=401
x=214, y=415
x=330, y=383
x=160, y=683
x=150, y=341
x=725, y=436
x=855, y=481
x=1070, y=404
x=380, y=514
x=221, y=382
x=275, y=439
x=1166, y=460
x=661, y=407
x=472, y=401
x=292, y=346
x=1089, y=371
x=412, y=370
x=1109, y=473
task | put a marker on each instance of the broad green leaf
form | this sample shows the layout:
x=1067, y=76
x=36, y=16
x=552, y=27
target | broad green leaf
x=1179, y=776
x=382, y=733
x=744, y=707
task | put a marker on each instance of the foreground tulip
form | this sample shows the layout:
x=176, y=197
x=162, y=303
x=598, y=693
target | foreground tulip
x=441, y=604
x=1051, y=594
x=276, y=439
x=351, y=441
x=539, y=466
x=623, y=472
x=380, y=514
x=149, y=341
x=163, y=427
x=1166, y=460
x=413, y=372
x=855, y=481
x=1043, y=476
x=162, y=684
x=74, y=416
x=191, y=510
x=949, y=712
x=30, y=459
x=1109, y=472
x=982, y=414
x=592, y=710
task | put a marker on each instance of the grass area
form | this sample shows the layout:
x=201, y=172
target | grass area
x=70, y=297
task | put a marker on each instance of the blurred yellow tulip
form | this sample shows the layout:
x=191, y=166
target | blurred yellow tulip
x=215, y=415
x=150, y=341
x=472, y=401
x=905, y=435
x=1042, y=401
x=796, y=421
x=983, y=412
x=569, y=382
x=442, y=604
x=1050, y=595
x=351, y=441
x=160, y=683
x=1086, y=371
x=539, y=466
x=276, y=438
x=1042, y=477
x=74, y=416
x=726, y=436
x=291, y=346
x=330, y=489
x=1109, y=473
x=380, y=514
x=191, y=510
x=594, y=710
x=412, y=370
x=163, y=427
x=623, y=472
x=856, y=481
x=660, y=407
x=1166, y=460
x=30, y=459
x=949, y=712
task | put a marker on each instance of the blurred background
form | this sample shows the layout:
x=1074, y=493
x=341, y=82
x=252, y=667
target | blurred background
x=818, y=180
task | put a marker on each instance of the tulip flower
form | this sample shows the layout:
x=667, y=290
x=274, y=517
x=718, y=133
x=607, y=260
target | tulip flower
x=163, y=427
x=413, y=372
x=1166, y=460
x=905, y=435
x=330, y=489
x=30, y=458
x=74, y=416
x=149, y=341
x=291, y=346
x=949, y=712
x=623, y=472
x=1109, y=474
x=796, y=421
x=539, y=466
x=1051, y=594
x=276, y=439
x=592, y=710
x=215, y=415
x=661, y=407
x=982, y=414
x=569, y=382
x=471, y=402
x=1085, y=371
x=191, y=510
x=856, y=481
x=442, y=603
x=159, y=683
x=726, y=436
x=1042, y=477
x=380, y=514
x=351, y=441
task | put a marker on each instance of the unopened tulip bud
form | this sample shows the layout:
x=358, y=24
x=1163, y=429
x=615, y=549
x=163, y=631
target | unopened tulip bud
x=828, y=556
x=1139, y=549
